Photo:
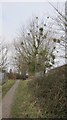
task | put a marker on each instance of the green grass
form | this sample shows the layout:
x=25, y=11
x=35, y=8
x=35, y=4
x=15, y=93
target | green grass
x=41, y=98
x=0, y=92
x=6, y=86
x=25, y=103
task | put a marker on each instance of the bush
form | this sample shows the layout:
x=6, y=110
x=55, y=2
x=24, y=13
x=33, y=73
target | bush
x=49, y=92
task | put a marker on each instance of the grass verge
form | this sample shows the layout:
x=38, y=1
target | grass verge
x=0, y=92
x=25, y=103
x=6, y=86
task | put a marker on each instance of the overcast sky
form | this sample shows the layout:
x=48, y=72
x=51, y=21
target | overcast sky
x=16, y=14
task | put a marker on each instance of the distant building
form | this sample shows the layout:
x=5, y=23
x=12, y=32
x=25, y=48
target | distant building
x=2, y=76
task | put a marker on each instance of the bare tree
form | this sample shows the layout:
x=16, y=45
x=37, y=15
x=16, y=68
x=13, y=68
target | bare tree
x=61, y=21
x=3, y=56
x=36, y=47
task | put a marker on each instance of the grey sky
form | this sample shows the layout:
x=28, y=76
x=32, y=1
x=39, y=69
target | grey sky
x=14, y=15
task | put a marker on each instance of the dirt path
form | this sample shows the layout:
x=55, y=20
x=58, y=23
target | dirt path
x=8, y=100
